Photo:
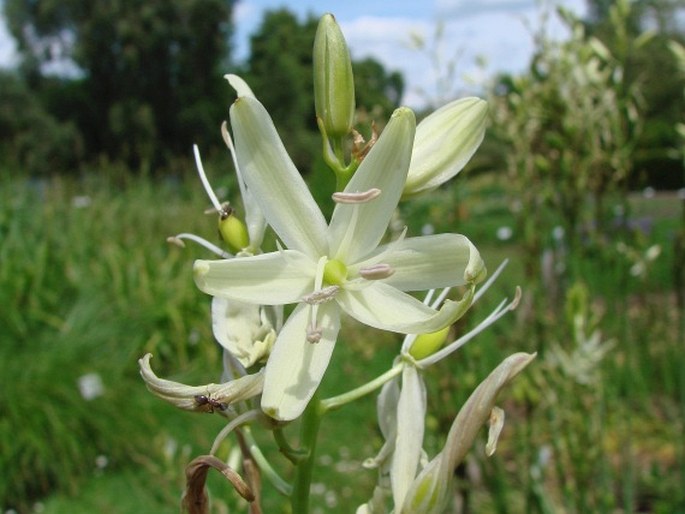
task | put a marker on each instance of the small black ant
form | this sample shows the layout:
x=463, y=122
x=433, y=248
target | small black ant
x=211, y=403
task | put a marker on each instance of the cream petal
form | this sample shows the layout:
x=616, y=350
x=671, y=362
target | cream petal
x=273, y=180
x=428, y=262
x=296, y=366
x=356, y=229
x=387, y=308
x=267, y=279
x=411, y=414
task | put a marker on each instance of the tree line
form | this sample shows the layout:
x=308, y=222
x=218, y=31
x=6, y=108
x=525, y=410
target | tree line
x=145, y=81
x=141, y=81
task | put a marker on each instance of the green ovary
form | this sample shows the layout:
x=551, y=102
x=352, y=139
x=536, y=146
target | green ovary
x=334, y=273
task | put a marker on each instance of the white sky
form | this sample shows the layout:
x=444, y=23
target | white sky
x=498, y=31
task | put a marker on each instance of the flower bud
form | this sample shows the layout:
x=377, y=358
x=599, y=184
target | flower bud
x=444, y=143
x=427, y=344
x=333, y=79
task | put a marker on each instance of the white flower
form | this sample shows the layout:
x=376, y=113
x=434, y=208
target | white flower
x=334, y=267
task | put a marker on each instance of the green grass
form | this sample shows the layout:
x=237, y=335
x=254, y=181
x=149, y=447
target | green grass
x=90, y=289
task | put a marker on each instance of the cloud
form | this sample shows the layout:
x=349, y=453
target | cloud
x=8, y=47
x=465, y=8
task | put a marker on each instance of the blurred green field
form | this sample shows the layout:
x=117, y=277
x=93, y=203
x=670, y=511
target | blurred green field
x=88, y=285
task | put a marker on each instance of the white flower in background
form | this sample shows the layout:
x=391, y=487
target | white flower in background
x=246, y=330
x=340, y=266
x=90, y=386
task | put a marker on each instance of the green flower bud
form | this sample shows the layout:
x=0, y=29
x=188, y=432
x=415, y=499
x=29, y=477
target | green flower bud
x=233, y=231
x=427, y=344
x=333, y=79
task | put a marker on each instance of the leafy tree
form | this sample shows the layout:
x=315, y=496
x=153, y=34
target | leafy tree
x=149, y=72
x=30, y=138
x=654, y=70
x=279, y=71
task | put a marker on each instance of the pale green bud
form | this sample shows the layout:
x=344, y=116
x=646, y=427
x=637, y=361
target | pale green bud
x=429, y=493
x=333, y=79
x=445, y=141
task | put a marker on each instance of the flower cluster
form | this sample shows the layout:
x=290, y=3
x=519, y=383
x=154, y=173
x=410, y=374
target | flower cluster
x=343, y=266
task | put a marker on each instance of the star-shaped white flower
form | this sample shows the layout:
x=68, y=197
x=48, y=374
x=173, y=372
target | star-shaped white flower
x=334, y=267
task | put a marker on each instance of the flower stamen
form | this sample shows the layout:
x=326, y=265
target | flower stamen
x=314, y=334
x=377, y=271
x=359, y=197
x=205, y=182
x=178, y=241
x=323, y=295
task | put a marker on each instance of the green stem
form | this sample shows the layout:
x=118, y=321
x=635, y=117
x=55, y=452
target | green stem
x=290, y=453
x=309, y=430
x=264, y=465
x=338, y=401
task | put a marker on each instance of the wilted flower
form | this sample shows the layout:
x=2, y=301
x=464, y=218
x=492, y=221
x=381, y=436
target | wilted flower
x=428, y=493
x=204, y=398
x=402, y=401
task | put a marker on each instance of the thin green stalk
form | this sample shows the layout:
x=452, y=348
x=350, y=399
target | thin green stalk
x=264, y=465
x=309, y=430
x=338, y=401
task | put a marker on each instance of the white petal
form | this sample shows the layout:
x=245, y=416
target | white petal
x=295, y=367
x=240, y=86
x=267, y=279
x=356, y=229
x=428, y=262
x=386, y=407
x=382, y=306
x=273, y=180
x=411, y=414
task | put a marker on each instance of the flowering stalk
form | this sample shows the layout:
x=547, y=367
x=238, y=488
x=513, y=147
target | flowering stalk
x=327, y=268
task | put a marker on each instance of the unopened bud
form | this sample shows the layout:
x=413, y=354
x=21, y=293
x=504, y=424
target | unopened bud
x=444, y=143
x=333, y=79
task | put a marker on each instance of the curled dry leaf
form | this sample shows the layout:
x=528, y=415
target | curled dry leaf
x=195, y=499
